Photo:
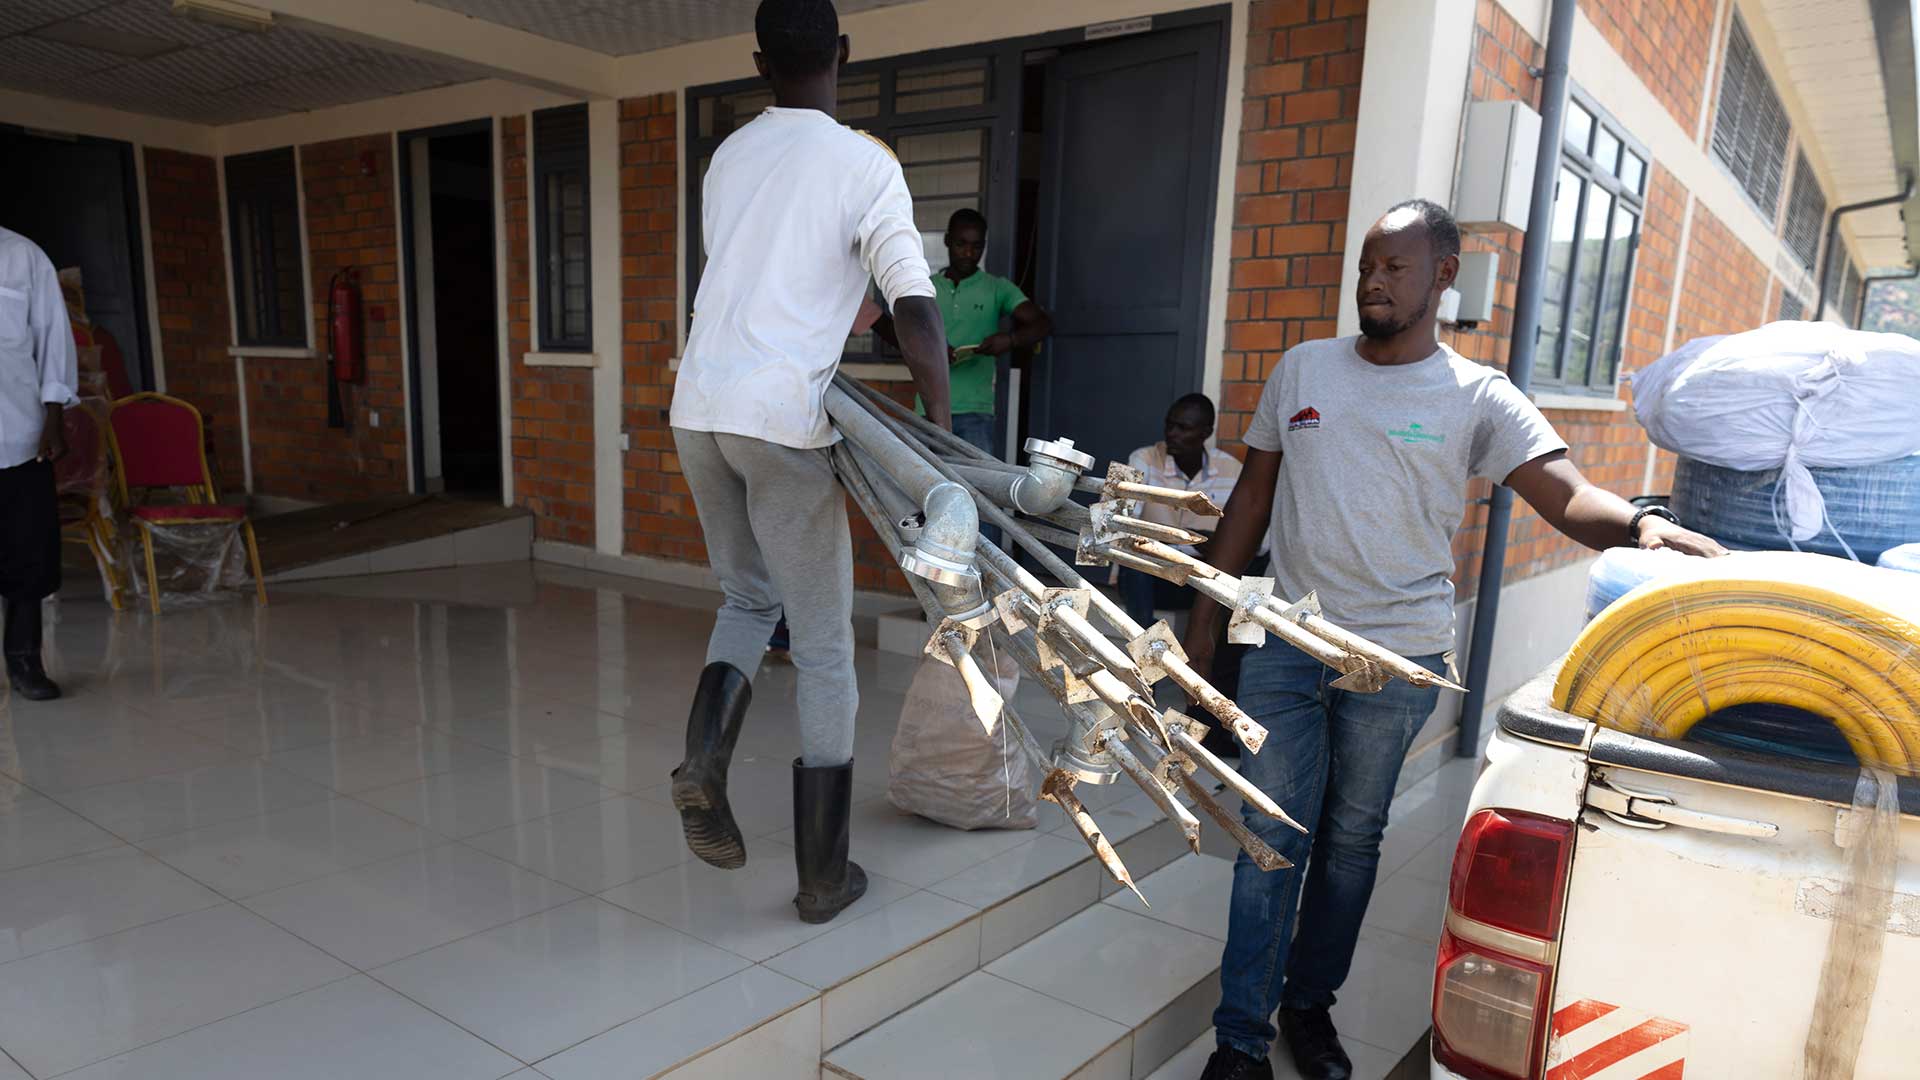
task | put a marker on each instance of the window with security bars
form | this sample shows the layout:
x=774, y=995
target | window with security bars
x=1791, y=306
x=1750, y=128
x=560, y=228
x=1850, y=297
x=1599, y=201
x=263, y=230
x=936, y=118
x=1806, y=210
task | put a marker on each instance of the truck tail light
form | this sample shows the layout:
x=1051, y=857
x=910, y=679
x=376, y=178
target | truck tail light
x=1493, y=973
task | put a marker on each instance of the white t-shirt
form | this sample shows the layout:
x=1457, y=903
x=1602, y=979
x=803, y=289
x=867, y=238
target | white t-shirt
x=798, y=212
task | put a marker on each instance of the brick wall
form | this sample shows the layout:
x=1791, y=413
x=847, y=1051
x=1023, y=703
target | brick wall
x=552, y=434
x=190, y=290
x=1665, y=42
x=1607, y=445
x=1726, y=284
x=659, y=516
x=348, y=184
x=1290, y=190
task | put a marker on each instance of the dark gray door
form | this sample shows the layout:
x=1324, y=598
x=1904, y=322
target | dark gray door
x=1126, y=235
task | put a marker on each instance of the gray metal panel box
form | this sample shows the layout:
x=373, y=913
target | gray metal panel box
x=1478, y=286
x=1496, y=165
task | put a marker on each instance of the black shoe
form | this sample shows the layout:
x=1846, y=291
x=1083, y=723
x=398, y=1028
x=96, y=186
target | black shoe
x=1230, y=1064
x=822, y=807
x=700, y=783
x=30, y=680
x=1315, y=1046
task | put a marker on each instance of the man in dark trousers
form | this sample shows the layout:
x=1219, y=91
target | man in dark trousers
x=788, y=262
x=1380, y=434
x=38, y=373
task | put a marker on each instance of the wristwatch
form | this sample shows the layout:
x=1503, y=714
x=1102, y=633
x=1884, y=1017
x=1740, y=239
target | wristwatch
x=1633, y=527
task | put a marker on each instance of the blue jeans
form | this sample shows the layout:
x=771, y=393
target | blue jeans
x=978, y=429
x=1331, y=760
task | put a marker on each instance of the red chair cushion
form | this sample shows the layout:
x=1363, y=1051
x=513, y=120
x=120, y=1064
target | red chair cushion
x=190, y=512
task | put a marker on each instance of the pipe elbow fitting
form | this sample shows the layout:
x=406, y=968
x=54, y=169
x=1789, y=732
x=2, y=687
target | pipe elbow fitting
x=1052, y=469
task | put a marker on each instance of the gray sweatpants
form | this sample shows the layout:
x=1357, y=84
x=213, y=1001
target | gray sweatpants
x=775, y=520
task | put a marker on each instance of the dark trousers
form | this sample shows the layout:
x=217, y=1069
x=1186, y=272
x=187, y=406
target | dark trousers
x=29, y=551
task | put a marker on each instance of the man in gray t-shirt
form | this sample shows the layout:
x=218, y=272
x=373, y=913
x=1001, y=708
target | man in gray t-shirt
x=1380, y=435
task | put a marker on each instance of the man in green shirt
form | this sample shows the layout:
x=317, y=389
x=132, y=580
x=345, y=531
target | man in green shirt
x=974, y=302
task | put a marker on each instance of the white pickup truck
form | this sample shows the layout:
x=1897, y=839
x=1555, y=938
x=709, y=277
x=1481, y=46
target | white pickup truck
x=1622, y=908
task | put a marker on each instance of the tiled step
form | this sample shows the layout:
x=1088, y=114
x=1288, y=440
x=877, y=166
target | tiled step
x=1110, y=994
x=942, y=904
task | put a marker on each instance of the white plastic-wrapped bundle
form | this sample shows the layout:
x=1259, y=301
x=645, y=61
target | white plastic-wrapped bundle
x=1790, y=396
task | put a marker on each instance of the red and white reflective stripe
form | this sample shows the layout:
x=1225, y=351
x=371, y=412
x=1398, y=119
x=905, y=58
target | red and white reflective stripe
x=1593, y=1040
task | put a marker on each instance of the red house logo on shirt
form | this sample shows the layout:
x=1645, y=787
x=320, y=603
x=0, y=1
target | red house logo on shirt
x=1308, y=417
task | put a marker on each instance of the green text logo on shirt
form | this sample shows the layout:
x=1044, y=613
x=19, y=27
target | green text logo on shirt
x=1413, y=433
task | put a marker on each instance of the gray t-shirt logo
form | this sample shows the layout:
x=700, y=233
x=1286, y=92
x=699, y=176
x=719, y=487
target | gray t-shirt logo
x=1413, y=433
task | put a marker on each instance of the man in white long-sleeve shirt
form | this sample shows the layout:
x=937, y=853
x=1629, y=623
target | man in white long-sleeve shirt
x=38, y=373
x=798, y=214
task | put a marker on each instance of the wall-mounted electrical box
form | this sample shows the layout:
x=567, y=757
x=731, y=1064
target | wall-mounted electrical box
x=1496, y=165
x=1477, y=286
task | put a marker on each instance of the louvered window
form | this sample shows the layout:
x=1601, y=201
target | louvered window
x=1806, y=210
x=1791, y=306
x=1750, y=127
x=560, y=216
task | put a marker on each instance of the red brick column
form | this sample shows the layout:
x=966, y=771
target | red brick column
x=190, y=290
x=552, y=434
x=1290, y=193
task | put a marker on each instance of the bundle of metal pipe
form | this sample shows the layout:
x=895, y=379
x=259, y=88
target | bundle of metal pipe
x=926, y=493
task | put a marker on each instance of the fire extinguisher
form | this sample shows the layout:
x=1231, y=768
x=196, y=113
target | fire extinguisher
x=345, y=346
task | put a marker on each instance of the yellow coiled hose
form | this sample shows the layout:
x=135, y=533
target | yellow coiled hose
x=1834, y=638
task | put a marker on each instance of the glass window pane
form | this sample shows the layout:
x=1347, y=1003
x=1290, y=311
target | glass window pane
x=1566, y=208
x=1579, y=127
x=1606, y=151
x=1633, y=171
x=1584, y=305
x=941, y=86
x=1606, y=349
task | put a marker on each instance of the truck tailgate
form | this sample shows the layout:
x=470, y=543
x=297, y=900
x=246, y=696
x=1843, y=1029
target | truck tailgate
x=1699, y=946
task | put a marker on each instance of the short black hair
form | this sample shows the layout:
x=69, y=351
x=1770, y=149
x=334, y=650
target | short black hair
x=1204, y=402
x=967, y=215
x=1442, y=230
x=798, y=37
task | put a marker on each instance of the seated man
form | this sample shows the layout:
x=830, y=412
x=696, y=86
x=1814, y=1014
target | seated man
x=1180, y=460
x=1183, y=460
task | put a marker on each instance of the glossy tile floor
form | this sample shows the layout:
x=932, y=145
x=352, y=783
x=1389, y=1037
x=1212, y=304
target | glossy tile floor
x=416, y=826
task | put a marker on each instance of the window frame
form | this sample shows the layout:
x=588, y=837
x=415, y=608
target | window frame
x=548, y=161
x=1796, y=198
x=1579, y=160
x=249, y=190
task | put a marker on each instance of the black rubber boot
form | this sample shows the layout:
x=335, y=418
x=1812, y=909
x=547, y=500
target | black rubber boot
x=700, y=783
x=22, y=647
x=1314, y=1044
x=822, y=807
